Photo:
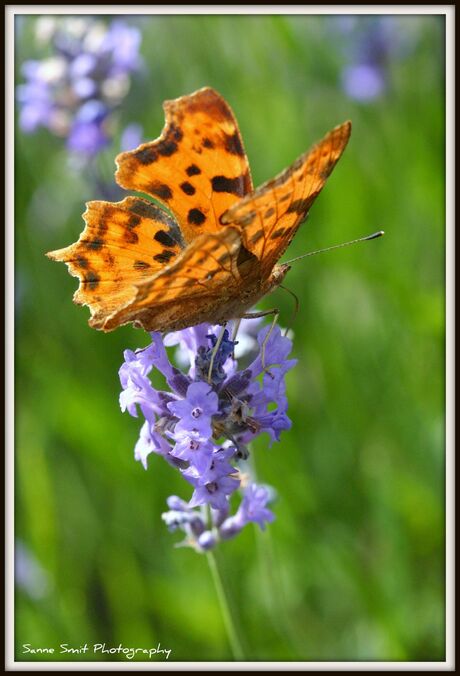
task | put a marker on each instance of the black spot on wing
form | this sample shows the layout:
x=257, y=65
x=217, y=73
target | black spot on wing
x=256, y=236
x=175, y=132
x=103, y=225
x=196, y=217
x=193, y=170
x=326, y=170
x=164, y=256
x=207, y=143
x=130, y=237
x=92, y=280
x=164, y=238
x=146, y=210
x=301, y=206
x=133, y=221
x=94, y=244
x=235, y=186
x=187, y=188
x=140, y=265
x=146, y=156
x=160, y=190
x=167, y=148
x=233, y=144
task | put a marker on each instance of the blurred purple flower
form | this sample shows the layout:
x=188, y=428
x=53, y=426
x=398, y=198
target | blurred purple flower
x=74, y=92
x=203, y=427
x=29, y=575
x=370, y=43
x=363, y=82
x=131, y=137
x=253, y=508
x=122, y=44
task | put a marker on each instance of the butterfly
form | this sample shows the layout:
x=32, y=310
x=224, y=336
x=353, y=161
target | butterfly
x=207, y=248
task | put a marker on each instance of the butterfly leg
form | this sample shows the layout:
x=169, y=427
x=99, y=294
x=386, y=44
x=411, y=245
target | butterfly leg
x=236, y=327
x=254, y=315
x=235, y=330
x=215, y=350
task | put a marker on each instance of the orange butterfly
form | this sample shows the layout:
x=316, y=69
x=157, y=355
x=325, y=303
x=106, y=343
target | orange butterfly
x=210, y=252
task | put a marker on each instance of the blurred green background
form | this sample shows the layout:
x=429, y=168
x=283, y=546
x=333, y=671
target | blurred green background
x=353, y=566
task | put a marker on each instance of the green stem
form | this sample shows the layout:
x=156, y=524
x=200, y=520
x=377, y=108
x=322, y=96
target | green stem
x=229, y=626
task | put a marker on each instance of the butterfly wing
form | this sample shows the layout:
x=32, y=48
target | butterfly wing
x=270, y=216
x=187, y=292
x=197, y=168
x=137, y=263
x=122, y=243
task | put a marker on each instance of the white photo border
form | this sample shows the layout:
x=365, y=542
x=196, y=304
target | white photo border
x=11, y=11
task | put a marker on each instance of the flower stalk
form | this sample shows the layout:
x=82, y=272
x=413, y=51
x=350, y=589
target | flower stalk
x=232, y=634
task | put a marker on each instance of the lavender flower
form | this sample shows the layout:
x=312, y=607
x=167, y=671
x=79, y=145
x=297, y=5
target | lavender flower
x=253, y=508
x=363, y=82
x=203, y=424
x=30, y=576
x=74, y=92
x=370, y=44
x=131, y=137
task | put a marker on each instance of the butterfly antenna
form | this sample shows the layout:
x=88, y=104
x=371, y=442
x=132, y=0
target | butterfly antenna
x=375, y=235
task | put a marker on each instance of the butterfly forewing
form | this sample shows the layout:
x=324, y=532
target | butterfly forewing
x=197, y=167
x=270, y=216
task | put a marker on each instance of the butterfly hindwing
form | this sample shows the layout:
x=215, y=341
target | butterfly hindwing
x=270, y=216
x=188, y=288
x=198, y=166
x=122, y=243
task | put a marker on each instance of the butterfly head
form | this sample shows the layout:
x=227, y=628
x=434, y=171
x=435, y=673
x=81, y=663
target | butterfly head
x=278, y=274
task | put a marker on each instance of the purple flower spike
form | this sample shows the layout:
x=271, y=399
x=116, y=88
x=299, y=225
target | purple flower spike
x=203, y=429
x=76, y=89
